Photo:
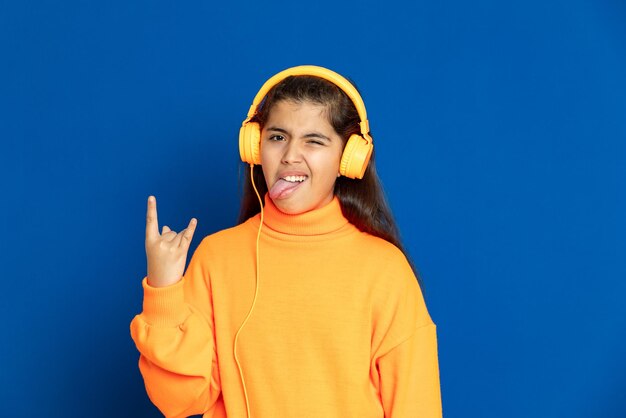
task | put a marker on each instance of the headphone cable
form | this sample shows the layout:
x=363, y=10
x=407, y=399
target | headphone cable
x=255, y=291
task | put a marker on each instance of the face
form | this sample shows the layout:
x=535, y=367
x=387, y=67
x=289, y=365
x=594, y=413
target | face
x=300, y=156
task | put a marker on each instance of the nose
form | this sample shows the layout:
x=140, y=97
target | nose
x=292, y=153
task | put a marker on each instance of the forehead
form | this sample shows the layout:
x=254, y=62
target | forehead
x=300, y=112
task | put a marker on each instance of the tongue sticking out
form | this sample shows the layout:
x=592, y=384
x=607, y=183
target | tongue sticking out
x=282, y=187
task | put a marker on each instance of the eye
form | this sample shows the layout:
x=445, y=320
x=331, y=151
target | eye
x=276, y=137
x=315, y=142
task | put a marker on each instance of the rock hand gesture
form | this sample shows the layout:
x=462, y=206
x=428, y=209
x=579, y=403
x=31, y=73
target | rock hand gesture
x=166, y=252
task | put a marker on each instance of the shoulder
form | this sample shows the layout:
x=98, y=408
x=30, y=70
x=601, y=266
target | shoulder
x=384, y=248
x=385, y=264
x=396, y=291
x=382, y=253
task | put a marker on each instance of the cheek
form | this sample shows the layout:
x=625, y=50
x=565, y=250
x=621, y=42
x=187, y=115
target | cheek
x=267, y=157
x=266, y=166
x=337, y=158
x=262, y=152
x=330, y=166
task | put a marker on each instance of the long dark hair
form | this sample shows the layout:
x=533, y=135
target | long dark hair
x=363, y=201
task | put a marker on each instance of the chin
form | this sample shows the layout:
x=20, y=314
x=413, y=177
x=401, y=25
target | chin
x=290, y=208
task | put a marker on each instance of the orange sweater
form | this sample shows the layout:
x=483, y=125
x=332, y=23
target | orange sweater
x=339, y=327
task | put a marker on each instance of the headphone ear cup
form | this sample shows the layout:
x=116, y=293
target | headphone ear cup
x=356, y=155
x=250, y=143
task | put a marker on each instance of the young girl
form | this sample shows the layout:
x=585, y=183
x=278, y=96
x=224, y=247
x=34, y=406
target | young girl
x=309, y=306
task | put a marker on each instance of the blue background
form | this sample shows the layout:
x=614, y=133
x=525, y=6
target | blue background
x=500, y=130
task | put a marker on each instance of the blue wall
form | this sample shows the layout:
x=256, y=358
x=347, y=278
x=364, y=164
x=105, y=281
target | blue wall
x=500, y=130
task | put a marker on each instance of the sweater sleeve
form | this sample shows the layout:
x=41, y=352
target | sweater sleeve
x=405, y=364
x=175, y=338
x=409, y=377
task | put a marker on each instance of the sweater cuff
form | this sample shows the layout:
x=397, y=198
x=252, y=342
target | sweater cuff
x=164, y=306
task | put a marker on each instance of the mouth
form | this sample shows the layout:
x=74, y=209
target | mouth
x=294, y=179
x=285, y=186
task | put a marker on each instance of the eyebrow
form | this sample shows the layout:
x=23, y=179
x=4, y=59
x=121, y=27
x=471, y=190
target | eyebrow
x=309, y=135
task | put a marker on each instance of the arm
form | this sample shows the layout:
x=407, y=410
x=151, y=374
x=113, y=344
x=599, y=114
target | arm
x=175, y=337
x=404, y=365
x=409, y=377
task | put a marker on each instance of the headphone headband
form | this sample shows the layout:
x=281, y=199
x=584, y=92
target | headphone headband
x=358, y=148
x=321, y=72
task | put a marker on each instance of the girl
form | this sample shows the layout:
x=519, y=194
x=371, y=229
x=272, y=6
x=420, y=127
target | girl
x=309, y=306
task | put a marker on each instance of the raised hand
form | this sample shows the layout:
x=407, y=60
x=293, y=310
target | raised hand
x=166, y=252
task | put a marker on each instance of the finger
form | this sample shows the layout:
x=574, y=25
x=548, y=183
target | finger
x=187, y=235
x=167, y=234
x=152, y=221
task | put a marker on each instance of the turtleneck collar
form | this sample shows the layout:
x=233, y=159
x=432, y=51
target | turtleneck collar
x=320, y=221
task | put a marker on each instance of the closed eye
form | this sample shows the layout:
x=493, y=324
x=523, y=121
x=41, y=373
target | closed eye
x=317, y=138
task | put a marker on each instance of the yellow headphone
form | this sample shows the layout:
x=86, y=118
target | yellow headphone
x=358, y=149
